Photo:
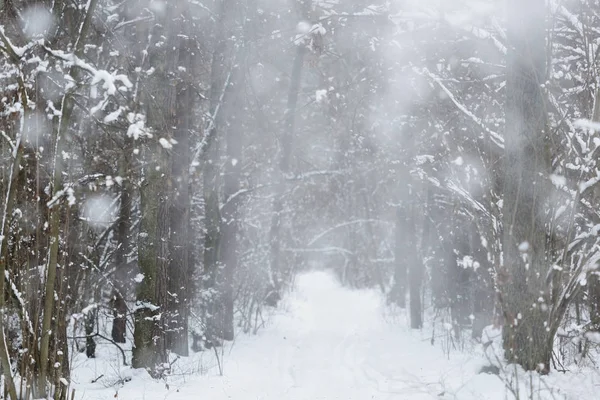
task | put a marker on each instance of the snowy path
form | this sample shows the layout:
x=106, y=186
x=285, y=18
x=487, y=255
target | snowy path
x=332, y=343
x=328, y=343
x=341, y=346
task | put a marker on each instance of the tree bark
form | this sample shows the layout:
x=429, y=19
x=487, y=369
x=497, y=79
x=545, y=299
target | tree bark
x=230, y=213
x=594, y=280
x=179, y=279
x=119, y=327
x=415, y=269
x=526, y=340
x=217, y=294
x=61, y=130
x=7, y=212
x=398, y=294
x=149, y=338
x=287, y=138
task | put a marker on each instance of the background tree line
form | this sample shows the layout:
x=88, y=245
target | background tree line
x=167, y=169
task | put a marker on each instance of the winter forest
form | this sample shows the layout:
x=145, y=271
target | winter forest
x=299, y=199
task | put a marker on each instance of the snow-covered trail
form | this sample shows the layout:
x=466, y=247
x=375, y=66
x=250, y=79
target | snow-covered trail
x=331, y=343
x=327, y=343
x=334, y=343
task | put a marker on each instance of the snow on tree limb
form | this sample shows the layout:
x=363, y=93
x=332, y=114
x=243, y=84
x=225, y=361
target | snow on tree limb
x=496, y=138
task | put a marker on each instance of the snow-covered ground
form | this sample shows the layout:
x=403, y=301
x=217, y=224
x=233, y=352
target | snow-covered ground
x=326, y=342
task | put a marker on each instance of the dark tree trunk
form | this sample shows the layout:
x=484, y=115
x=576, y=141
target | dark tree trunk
x=212, y=238
x=460, y=278
x=219, y=96
x=166, y=199
x=415, y=255
x=594, y=280
x=594, y=301
x=227, y=254
x=163, y=259
x=182, y=99
x=121, y=281
x=119, y=327
x=415, y=267
x=90, y=324
x=143, y=352
x=526, y=340
x=482, y=288
x=286, y=144
x=230, y=211
x=149, y=339
x=398, y=294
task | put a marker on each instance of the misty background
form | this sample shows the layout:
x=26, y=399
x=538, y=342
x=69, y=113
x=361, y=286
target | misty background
x=167, y=170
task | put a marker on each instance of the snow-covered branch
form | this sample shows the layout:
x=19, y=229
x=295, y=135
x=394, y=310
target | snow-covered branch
x=8, y=140
x=345, y=224
x=496, y=138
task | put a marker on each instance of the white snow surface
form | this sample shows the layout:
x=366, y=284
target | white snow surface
x=325, y=342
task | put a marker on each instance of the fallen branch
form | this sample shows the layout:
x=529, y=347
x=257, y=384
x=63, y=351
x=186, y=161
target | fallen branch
x=105, y=338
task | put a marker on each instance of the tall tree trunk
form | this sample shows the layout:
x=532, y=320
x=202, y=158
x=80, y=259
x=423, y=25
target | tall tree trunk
x=398, y=294
x=594, y=279
x=179, y=279
x=62, y=123
x=55, y=211
x=222, y=76
x=172, y=198
x=526, y=340
x=212, y=213
x=119, y=327
x=230, y=213
x=286, y=143
x=415, y=269
x=7, y=212
x=149, y=338
x=212, y=239
x=483, y=293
